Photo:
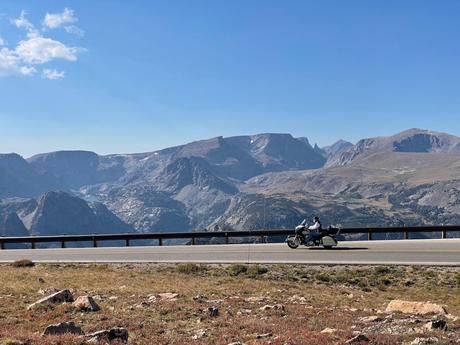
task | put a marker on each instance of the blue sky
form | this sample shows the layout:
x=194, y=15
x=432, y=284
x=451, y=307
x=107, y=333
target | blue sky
x=134, y=76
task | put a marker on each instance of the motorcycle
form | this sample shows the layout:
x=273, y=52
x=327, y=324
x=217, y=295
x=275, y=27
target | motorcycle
x=327, y=238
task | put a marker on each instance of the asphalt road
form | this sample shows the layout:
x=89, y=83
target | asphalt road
x=402, y=252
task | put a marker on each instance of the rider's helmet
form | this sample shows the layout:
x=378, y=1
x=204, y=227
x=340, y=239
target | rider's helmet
x=316, y=219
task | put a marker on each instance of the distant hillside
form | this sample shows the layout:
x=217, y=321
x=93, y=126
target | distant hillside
x=11, y=225
x=241, y=182
x=19, y=179
x=411, y=141
x=58, y=213
x=77, y=168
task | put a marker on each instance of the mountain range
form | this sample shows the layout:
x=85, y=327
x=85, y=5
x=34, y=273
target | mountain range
x=242, y=182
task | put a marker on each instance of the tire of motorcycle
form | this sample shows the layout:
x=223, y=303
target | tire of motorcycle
x=292, y=243
x=327, y=247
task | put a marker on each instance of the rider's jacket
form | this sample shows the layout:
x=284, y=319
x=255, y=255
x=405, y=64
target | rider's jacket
x=315, y=227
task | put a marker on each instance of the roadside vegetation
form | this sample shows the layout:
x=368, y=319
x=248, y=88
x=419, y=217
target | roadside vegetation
x=224, y=304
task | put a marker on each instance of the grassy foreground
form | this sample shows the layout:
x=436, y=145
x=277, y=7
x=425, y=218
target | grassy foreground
x=276, y=304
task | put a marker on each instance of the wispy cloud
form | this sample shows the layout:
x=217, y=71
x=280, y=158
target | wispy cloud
x=23, y=23
x=75, y=30
x=28, y=70
x=66, y=19
x=52, y=74
x=36, y=50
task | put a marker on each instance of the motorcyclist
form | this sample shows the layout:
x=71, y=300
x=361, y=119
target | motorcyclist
x=315, y=230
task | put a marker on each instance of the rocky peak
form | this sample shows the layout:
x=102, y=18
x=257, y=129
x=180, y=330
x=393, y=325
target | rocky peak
x=11, y=225
x=411, y=141
x=193, y=171
x=77, y=168
x=62, y=213
x=19, y=179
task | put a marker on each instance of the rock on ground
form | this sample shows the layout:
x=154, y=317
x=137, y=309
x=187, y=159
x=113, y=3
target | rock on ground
x=424, y=341
x=371, y=319
x=63, y=328
x=420, y=308
x=213, y=311
x=358, y=339
x=435, y=325
x=168, y=296
x=200, y=334
x=86, y=303
x=329, y=330
x=62, y=296
x=264, y=336
x=120, y=334
x=270, y=307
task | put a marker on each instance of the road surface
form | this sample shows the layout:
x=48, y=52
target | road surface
x=402, y=252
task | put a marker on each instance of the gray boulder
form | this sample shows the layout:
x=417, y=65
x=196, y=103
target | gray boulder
x=63, y=296
x=63, y=328
x=119, y=334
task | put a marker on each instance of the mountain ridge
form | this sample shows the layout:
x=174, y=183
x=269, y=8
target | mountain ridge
x=387, y=180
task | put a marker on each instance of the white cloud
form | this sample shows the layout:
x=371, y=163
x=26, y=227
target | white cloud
x=75, y=30
x=23, y=23
x=9, y=62
x=39, y=50
x=55, y=20
x=36, y=49
x=52, y=74
x=27, y=70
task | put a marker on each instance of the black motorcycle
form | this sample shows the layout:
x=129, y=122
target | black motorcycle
x=326, y=239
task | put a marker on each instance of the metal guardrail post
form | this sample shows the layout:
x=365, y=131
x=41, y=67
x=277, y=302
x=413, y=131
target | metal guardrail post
x=369, y=235
x=406, y=235
x=2, y=245
x=444, y=234
x=32, y=243
x=94, y=242
x=160, y=241
x=127, y=242
x=62, y=244
x=193, y=241
x=227, y=239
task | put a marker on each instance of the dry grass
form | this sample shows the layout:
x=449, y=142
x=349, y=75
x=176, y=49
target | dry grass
x=124, y=290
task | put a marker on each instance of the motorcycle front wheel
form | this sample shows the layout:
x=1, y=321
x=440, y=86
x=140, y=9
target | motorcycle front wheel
x=293, y=243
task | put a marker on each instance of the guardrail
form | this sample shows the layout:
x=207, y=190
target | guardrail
x=193, y=236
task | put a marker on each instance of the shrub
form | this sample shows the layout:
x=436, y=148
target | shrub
x=382, y=270
x=322, y=277
x=237, y=269
x=188, y=268
x=23, y=263
x=11, y=342
x=256, y=270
